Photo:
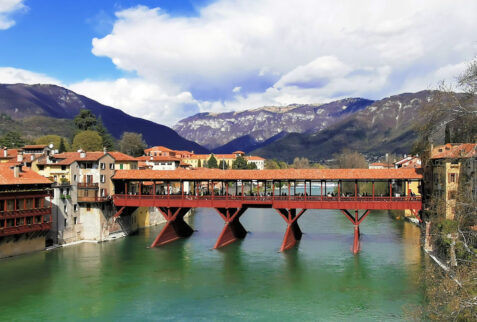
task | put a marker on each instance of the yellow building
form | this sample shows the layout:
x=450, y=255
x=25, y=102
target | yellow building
x=448, y=163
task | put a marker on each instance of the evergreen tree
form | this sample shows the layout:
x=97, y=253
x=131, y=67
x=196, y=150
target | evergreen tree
x=239, y=163
x=62, y=147
x=212, y=163
x=447, y=138
x=223, y=165
x=132, y=144
x=252, y=166
x=108, y=140
x=12, y=140
x=85, y=120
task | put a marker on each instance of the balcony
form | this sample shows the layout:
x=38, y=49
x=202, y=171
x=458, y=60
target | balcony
x=93, y=199
x=88, y=185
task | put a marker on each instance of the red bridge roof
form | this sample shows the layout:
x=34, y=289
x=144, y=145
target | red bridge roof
x=282, y=174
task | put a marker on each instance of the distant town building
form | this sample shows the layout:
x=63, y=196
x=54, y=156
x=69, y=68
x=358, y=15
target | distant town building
x=409, y=162
x=381, y=165
x=25, y=210
x=163, y=158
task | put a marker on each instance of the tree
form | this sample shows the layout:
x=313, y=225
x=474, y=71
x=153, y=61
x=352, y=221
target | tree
x=300, y=163
x=283, y=165
x=348, y=159
x=252, y=166
x=62, y=147
x=271, y=164
x=132, y=144
x=451, y=112
x=108, y=140
x=212, y=162
x=88, y=141
x=85, y=120
x=12, y=140
x=239, y=163
x=56, y=140
x=223, y=165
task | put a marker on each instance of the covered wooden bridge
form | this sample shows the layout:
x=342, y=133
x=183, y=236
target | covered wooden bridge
x=290, y=192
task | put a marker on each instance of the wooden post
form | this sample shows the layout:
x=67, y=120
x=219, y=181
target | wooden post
x=355, y=189
x=373, y=190
x=339, y=190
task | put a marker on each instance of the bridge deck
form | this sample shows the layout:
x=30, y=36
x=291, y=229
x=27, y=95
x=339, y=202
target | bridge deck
x=307, y=202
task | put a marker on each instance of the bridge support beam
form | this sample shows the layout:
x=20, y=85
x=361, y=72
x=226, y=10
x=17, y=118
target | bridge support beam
x=416, y=214
x=175, y=227
x=293, y=232
x=356, y=220
x=233, y=228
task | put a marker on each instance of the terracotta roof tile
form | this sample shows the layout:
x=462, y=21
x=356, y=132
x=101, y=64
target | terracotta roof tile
x=26, y=176
x=35, y=146
x=453, y=151
x=119, y=156
x=282, y=174
x=158, y=148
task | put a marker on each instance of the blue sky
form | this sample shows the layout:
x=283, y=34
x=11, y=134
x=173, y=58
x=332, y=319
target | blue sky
x=54, y=36
x=164, y=60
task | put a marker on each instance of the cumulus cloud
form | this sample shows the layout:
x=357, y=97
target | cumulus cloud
x=7, y=8
x=249, y=53
x=279, y=54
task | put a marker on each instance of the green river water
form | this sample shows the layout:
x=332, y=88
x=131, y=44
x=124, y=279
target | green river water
x=319, y=280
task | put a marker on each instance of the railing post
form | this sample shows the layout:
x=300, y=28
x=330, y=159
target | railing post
x=339, y=190
x=226, y=191
x=373, y=190
x=390, y=190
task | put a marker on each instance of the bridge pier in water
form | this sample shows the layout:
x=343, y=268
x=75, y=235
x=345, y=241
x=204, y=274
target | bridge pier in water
x=293, y=232
x=233, y=228
x=175, y=227
x=356, y=220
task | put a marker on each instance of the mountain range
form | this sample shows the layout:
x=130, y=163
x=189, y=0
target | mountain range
x=315, y=131
x=251, y=129
x=43, y=106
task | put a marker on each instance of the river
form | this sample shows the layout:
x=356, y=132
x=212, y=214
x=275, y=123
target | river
x=319, y=280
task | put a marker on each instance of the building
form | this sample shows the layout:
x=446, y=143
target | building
x=82, y=207
x=452, y=170
x=408, y=162
x=158, y=162
x=25, y=210
x=381, y=165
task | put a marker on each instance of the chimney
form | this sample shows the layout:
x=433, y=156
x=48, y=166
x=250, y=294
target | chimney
x=20, y=156
x=5, y=152
x=82, y=154
x=16, y=171
x=105, y=150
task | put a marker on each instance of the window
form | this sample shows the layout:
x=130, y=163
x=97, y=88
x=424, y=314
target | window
x=63, y=167
x=75, y=207
x=65, y=222
x=88, y=207
x=74, y=220
x=451, y=195
x=41, y=167
x=111, y=166
x=452, y=177
x=103, y=178
x=120, y=166
x=102, y=166
x=65, y=209
x=74, y=178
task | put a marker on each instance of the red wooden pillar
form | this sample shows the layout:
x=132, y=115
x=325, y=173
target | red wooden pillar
x=182, y=190
x=355, y=189
x=175, y=228
x=168, y=192
x=233, y=229
x=242, y=189
x=125, y=188
x=390, y=190
x=289, y=190
x=226, y=190
x=293, y=232
x=373, y=190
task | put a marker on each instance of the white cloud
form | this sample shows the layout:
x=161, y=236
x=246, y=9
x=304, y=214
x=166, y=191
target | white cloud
x=311, y=51
x=10, y=75
x=249, y=53
x=140, y=98
x=7, y=8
